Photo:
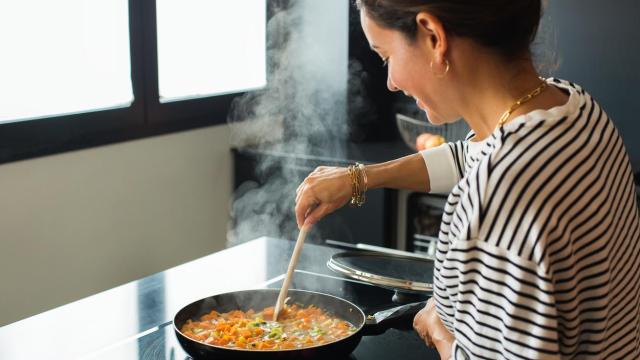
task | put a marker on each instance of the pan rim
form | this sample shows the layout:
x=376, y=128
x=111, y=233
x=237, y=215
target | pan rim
x=356, y=332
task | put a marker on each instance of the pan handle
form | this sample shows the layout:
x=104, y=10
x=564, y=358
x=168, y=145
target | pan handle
x=400, y=317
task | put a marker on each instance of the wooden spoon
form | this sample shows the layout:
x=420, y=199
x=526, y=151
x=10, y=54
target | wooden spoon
x=292, y=266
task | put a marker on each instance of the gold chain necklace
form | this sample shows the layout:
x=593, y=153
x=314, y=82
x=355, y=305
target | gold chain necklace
x=535, y=92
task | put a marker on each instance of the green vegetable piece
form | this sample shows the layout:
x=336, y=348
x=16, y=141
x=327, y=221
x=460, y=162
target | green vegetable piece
x=275, y=333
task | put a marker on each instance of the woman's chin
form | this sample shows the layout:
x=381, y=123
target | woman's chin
x=433, y=118
x=436, y=119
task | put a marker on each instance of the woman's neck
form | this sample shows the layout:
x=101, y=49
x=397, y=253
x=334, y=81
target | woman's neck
x=488, y=93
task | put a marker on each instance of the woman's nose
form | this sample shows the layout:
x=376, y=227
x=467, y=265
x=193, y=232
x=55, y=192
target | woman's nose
x=390, y=85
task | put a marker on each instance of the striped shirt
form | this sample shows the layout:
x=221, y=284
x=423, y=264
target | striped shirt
x=538, y=251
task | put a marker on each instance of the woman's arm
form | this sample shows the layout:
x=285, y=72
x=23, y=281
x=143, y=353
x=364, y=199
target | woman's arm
x=409, y=172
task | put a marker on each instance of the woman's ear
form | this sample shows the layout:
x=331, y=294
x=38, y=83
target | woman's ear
x=431, y=33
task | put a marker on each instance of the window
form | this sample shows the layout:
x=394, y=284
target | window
x=210, y=47
x=81, y=73
x=64, y=57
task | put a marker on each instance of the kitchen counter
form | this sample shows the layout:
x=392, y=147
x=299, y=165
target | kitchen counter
x=133, y=321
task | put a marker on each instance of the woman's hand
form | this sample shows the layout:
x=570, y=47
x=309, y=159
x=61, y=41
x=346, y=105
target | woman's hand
x=323, y=191
x=430, y=328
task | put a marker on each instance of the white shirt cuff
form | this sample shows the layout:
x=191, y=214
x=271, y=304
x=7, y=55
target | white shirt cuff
x=441, y=167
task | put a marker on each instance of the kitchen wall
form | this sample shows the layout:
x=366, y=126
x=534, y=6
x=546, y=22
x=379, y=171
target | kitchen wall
x=597, y=45
x=82, y=222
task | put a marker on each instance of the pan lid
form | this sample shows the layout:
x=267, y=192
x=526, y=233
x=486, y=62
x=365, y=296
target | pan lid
x=397, y=272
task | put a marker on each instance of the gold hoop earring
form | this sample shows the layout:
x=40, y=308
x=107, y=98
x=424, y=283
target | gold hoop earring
x=446, y=69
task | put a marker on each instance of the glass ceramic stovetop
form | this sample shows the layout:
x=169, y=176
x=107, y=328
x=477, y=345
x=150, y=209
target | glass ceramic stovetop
x=160, y=342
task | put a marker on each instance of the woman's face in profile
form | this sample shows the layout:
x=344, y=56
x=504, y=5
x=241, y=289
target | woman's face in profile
x=408, y=65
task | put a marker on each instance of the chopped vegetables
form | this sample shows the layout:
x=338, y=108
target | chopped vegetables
x=297, y=328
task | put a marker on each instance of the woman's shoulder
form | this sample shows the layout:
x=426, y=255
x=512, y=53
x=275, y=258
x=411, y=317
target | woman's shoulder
x=567, y=124
x=562, y=100
x=544, y=144
x=548, y=147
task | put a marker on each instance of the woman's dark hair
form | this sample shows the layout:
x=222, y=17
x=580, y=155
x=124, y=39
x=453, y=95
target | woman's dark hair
x=506, y=26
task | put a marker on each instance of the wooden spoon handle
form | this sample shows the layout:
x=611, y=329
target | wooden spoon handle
x=290, y=269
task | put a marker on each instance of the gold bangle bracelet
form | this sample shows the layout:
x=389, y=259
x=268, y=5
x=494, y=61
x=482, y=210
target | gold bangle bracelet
x=365, y=184
x=358, y=184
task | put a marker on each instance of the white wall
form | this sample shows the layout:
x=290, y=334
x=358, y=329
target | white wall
x=78, y=223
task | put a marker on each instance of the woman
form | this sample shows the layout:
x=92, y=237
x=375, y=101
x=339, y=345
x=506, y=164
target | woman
x=538, y=250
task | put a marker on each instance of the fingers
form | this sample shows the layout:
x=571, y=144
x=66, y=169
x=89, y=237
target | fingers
x=424, y=334
x=322, y=191
x=431, y=303
x=303, y=207
x=421, y=322
x=299, y=191
x=315, y=214
x=427, y=340
x=306, y=201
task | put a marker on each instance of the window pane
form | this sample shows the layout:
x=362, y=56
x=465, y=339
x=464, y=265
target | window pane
x=61, y=57
x=210, y=47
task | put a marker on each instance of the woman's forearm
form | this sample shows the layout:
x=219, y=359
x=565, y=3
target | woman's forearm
x=409, y=172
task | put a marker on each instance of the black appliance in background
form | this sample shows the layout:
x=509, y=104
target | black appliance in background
x=418, y=221
x=370, y=105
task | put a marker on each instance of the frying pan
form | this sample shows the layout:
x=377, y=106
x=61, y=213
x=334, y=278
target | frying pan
x=398, y=317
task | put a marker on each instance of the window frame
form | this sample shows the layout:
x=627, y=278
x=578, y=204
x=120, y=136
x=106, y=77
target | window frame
x=147, y=116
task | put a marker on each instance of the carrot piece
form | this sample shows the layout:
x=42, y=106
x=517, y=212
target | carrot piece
x=268, y=312
x=287, y=345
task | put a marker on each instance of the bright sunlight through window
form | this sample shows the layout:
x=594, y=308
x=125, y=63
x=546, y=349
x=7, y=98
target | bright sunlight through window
x=63, y=57
x=210, y=47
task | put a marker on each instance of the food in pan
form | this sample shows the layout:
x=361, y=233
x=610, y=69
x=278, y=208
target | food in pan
x=297, y=327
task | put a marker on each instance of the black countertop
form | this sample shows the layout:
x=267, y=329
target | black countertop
x=133, y=321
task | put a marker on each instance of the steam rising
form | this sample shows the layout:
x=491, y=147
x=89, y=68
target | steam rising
x=302, y=111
